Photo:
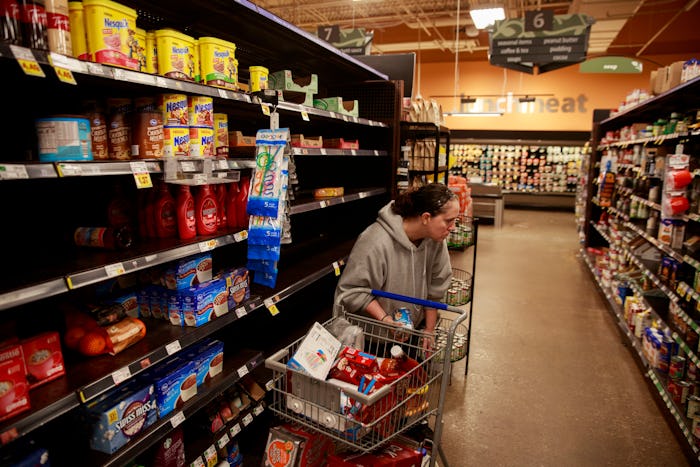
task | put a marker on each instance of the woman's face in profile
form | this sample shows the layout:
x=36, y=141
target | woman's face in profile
x=440, y=225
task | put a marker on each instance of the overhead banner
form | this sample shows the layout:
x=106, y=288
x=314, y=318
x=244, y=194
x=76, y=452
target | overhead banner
x=356, y=41
x=523, y=47
x=611, y=65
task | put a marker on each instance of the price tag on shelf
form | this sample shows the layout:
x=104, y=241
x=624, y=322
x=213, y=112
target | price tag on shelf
x=323, y=151
x=265, y=109
x=223, y=441
x=223, y=94
x=187, y=166
x=353, y=152
x=13, y=172
x=270, y=305
x=210, y=453
x=26, y=61
x=258, y=410
x=235, y=429
x=323, y=204
x=223, y=164
x=362, y=194
x=242, y=371
x=177, y=419
x=346, y=118
x=305, y=116
x=207, y=245
x=240, y=311
x=333, y=115
x=336, y=268
x=198, y=462
x=247, y=420
x=65, y=75
x=69, y=170
x=114, y=270
x=161, y=82
x=141, y=174
x=240, y=236
x=269, y=385
x=355, y=119
x=121, y=375
x=200, y=179
x=376, y=152
x=173, y=347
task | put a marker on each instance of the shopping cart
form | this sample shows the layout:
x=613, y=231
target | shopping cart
x=357, y=416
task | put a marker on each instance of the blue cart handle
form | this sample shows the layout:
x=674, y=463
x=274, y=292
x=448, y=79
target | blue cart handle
x=404, y=298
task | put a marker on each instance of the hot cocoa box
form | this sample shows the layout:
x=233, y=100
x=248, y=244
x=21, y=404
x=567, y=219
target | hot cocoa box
x=14, y=389
x=208, y=358
x=175, y=383
x=189, y=272
x=124, y=414
x=43, y=358
x=204, y=302
x=238, y=285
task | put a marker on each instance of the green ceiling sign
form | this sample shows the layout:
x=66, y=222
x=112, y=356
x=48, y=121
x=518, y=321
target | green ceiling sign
x=611, y=65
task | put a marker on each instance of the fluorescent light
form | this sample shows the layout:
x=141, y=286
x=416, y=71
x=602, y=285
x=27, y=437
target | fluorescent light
x=484, y=17
x=473, y=114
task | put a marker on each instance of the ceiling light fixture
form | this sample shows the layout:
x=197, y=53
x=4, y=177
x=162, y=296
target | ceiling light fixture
x=484, y=17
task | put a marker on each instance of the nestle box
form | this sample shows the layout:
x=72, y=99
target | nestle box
x=14, y=389
x=238, y=286
x=122, y=416
x=208, y=358
x=43, y=358
x=204, y=302
x=189, y=272
x=175, y=383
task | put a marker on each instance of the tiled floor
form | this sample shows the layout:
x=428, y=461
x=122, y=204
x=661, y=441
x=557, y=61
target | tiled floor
x=550, y=381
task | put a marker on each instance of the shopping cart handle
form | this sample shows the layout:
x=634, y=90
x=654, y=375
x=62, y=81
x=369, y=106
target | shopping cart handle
x=404, y=298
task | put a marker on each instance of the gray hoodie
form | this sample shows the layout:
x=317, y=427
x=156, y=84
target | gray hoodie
x=383, y=258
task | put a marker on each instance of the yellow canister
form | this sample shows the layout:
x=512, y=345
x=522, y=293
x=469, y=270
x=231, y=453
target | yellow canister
x=200, y=110
x=111, y=33
x=258, y=78
x=151, y=53
x=221, y=135
x=176, y=54
x=201, y=142
x=141, y=49
x=176, y=141
x=174, y=109
x=78, y=36
x=58, y=27
x=197, y=68
x=219, y=66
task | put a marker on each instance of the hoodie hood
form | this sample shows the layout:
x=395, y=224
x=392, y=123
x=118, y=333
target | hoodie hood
x=393, y=224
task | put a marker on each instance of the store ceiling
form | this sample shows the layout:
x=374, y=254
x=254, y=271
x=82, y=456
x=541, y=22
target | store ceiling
x=633, y=28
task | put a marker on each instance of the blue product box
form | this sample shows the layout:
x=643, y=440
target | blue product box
x=144, y=297
x=159, y=302
x=129, y=302
x=204, y=302
x=120, y=416
x=208, y=358
x=237, y=285
x=175, y=383
x=176, y=313
x=189, y=272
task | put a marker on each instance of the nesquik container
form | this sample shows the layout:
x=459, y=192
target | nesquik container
x=176, y=141
x=177, y=54
x=141, y=49
x=151, y=53
x=200, y=110
x=218, y=63
x=221, y=135
x=78, y=35
x=201, y=142
x=111, y=33
x=174, y=109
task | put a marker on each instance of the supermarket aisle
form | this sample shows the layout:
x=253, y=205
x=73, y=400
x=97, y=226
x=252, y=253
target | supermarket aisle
x=549, y=382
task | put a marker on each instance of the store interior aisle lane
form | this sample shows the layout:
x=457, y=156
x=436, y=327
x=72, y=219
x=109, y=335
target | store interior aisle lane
x=550, y=381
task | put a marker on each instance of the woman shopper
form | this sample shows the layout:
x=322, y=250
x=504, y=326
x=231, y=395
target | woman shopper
x=403, y=252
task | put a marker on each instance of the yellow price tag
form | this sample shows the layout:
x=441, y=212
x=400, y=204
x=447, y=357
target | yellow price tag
x=305, y=115
x=143, y=180
x=31, y=68
x=65, y=75
x=265, y=109
x=141, y=174
x=271, y=306
x=336, y=268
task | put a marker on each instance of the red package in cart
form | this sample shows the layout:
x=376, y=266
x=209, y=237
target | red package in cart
x=392, y=455
x=364, y=362
x=317, y=447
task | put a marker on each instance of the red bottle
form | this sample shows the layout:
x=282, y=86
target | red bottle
x=186, y=225
x=164, y=210
x=221, y=195
x=242, y=203
x=206, y=211
x=231, y=210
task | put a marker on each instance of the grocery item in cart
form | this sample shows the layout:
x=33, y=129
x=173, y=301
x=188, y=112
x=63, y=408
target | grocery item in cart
x=316, y=353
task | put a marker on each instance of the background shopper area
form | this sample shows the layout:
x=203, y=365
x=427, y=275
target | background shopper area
x=182, y=185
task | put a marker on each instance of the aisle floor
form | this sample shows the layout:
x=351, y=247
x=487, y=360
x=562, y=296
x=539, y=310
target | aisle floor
x=550, y=380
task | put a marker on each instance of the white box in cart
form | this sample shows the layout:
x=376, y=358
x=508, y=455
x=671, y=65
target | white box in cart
x=316, y=353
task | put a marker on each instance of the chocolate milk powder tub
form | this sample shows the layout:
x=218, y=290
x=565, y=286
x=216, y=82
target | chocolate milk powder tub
x=98, y=129
x=174, y=109
x=58, y=27
x=200, y=111
x=221, y=135
x=119, y=128
x=147, y=131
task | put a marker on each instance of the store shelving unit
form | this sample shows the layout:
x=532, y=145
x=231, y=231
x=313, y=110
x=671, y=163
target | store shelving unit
x=48, y=273
x=432, y=165
x=621, y=249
